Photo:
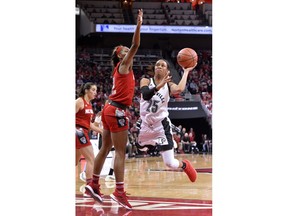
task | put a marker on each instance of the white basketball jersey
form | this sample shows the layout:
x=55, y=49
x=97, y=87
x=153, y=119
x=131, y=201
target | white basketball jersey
x=155, y=109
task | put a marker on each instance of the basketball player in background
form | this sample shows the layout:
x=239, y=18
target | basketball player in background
x=84, y=113
x=156, y=127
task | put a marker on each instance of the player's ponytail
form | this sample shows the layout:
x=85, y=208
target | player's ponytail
x=114, y=57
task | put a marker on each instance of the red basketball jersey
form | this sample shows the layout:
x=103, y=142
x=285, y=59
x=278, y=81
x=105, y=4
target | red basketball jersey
x=83, y=117
x=123, y=87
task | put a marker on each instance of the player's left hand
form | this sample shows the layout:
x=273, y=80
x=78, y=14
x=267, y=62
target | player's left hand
x=189, y=69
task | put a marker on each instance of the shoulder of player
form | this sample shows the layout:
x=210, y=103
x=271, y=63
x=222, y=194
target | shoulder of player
x=79, y=103
x=79, y=100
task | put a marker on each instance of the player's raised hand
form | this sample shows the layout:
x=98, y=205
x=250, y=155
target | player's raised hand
x=140, y=16
x=187, y=70
x=167, y=78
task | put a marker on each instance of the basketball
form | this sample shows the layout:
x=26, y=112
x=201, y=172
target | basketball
x=187, y=57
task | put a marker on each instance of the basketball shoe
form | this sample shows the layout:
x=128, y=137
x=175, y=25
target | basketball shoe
x=121, y=199
x=190, y=171
x=86, y=194
x=83, y=191
x=94, y=191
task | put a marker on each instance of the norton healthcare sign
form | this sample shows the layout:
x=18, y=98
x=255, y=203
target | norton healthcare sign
x=157, y=29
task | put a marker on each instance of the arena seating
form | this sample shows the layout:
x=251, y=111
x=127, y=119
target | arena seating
x=155, y=13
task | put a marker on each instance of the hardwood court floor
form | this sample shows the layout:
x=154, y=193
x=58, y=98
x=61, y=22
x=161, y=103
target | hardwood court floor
x=154, y=189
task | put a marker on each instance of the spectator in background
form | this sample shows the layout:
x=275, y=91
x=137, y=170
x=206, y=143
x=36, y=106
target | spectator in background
x=194, y=147
x=134, y=131
x=180, y=130
x=183, y=131
x=131, y=145
x=177, y=138
x=204, y=143
x=206, y=146
x=94, y=135
x=186, y=143
x=192, y=87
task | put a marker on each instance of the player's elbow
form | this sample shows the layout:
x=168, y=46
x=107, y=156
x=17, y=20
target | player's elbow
x=146, y=97
x=147, y=93
x=177, y=91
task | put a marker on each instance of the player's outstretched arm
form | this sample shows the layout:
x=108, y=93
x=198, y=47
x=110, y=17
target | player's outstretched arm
x=128, y=59
x=177, y=89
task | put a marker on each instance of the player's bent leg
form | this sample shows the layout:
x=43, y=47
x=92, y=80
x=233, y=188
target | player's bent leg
x=169, y=160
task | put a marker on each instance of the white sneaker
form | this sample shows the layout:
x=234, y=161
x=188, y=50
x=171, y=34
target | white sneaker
x=83, y=176
x=110, y=178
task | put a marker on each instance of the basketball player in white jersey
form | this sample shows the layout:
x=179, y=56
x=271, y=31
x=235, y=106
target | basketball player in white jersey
x=156, y=127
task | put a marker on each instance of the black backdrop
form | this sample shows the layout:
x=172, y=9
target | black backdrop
x=199, y=125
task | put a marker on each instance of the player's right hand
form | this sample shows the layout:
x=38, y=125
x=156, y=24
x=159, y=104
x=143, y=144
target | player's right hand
x=167, y=78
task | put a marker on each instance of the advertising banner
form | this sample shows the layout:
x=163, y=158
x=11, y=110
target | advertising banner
x=157, y=29
x=186, y=110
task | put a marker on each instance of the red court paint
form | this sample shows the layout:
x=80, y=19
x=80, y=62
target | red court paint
x=143, y=206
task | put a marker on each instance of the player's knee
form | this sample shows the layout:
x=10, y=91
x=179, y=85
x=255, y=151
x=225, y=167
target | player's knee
x=169, y=165
x=90, y=159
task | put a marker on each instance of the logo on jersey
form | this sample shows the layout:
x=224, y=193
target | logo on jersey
x=121, y=119
x=83, y=140
x=88, y=111
x=121, y=122
x=162, y=141
x=81, y=136
x=119, y=113
x=161, y=97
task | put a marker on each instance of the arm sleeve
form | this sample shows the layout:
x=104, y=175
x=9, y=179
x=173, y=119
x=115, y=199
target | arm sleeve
x=147, y=93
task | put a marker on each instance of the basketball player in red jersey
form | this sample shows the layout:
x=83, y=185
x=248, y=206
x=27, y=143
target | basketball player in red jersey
x=84, y=113
x=115, y=120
